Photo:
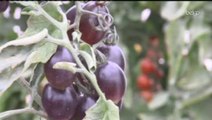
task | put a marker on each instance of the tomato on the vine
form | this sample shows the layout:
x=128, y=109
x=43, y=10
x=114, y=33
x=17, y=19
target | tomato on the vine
x=147, y=95
x=152, y=54
x=85, y=102
x=3, y=5
x=147, y=66
x=59, y=104
x=111, y=80
x=58, y=78
x=154, y=41
x=159, y=73
x=113, y=53
x=88, y=22
x=144, y=82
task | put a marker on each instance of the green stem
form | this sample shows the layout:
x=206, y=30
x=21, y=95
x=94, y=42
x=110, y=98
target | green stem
x=35, y=88
x=78, y=16
x=10, y=113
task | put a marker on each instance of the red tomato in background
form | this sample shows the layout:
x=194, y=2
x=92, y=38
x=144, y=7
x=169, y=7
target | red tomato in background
x=147, y=66
x=144, y=82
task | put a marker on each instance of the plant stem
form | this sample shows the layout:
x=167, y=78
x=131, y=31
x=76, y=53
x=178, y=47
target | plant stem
x=91, y=13
x=26, y=85
x=10, y=113
x=71, y=26
x=35, y=88
x=78, y=16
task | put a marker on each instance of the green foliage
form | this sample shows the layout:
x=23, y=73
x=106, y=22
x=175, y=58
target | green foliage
x=102, y=111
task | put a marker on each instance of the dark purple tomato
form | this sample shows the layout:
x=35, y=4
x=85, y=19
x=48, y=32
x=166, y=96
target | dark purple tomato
x=3, y=5
x=114, y=54
x=111, y=80
x=59, y=78
x=88, y=22
x=59, y=104
x=85, y=103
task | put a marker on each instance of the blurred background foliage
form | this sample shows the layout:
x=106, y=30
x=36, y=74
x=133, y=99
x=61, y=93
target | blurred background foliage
x=184, y=31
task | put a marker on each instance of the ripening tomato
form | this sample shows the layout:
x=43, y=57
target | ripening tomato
x=144, y=82
x=147, y=95
x=152, y=54
x=159, y=73
x=147, y=66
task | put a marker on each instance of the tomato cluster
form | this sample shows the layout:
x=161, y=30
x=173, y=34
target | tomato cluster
x=149, y=81
x=63, y=97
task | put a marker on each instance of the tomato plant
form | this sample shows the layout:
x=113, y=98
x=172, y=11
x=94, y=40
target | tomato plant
x=105, y=60
x=57, y=49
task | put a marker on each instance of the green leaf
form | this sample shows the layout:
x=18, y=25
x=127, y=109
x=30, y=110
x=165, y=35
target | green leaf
x=36, y=23
x=8, y=77
x=66, y=66
x=205, y=48
x=41, y=54
x=27, y=40
x=102, y=111
x=35, y=80
x=88, y=54
x=52, y=9
x=151, y=117
x=12, y=61
x=174, y=10
x=202, y=110
x=27, y=3
x=174, y=38
x=198, y=27
x=38, y=28
x=12, y=68
x=159, y=100
x=196, y=78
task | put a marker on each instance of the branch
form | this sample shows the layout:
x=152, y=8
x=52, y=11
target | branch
x=10, y=113
x=78, y=16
